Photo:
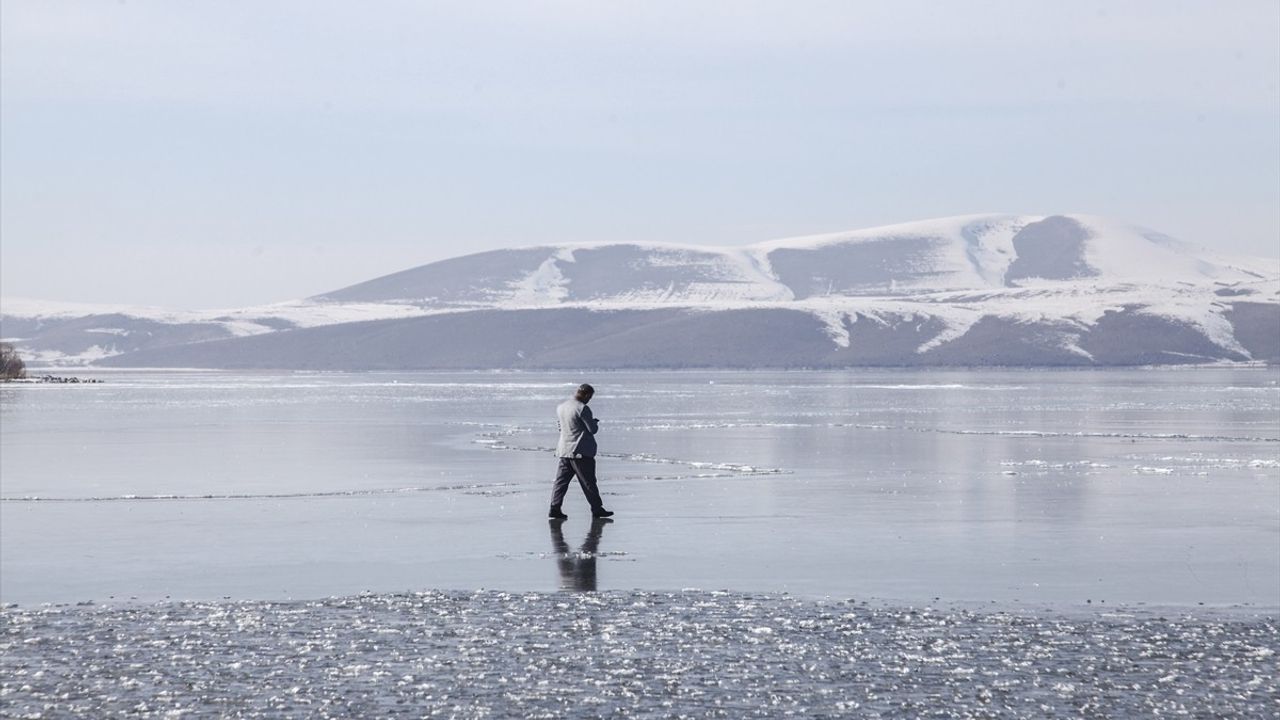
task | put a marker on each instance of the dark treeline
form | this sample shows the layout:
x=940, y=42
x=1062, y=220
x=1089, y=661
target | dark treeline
x=11, y=366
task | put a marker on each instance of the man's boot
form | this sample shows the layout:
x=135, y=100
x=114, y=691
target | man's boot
x=555, y=513
x=601, y=513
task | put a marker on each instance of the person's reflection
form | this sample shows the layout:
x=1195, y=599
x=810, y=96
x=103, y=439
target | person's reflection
x=577, y=570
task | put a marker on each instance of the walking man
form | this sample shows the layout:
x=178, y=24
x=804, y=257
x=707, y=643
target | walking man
x=577, y=452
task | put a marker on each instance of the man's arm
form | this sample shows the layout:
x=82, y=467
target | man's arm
x=589, y=421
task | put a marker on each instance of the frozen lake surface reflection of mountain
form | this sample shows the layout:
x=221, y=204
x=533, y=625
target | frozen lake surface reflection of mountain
x=1062, y=487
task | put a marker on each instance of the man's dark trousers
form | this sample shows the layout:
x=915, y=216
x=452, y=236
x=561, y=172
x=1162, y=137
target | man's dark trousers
x=585, y=469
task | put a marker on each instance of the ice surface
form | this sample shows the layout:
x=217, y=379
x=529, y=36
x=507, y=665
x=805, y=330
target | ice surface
x=1029, y=486
x=628, y=654
x=881, y=544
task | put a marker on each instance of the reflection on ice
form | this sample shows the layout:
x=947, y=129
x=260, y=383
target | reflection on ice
x=578, y=569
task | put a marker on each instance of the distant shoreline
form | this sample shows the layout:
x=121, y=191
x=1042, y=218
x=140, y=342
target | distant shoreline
x=53, y=380
x=1225, y=365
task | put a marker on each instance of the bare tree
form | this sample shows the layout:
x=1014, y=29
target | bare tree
x=11, y=366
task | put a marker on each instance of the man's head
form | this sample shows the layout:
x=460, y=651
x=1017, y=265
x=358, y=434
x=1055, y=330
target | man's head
x=584, y=393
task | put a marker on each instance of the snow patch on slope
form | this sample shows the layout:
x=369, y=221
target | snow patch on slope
x=947, y=227
x=1205, y=317
x=989, y=246
x=544, y=286
x=1130, y=252
x=834, y=323
x=958, y=323
x=20, y=307
x=54, y=358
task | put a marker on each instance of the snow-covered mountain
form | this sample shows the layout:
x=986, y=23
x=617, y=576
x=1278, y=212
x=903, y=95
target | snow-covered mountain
x=971, y=290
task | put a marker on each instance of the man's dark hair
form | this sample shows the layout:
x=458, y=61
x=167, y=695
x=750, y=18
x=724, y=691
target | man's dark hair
x=584, y=393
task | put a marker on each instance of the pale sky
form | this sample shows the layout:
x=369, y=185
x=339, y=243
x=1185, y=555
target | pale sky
x=218, y=154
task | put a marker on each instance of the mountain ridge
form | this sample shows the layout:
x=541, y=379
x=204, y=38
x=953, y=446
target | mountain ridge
x=1053, y=285
x=962, y=252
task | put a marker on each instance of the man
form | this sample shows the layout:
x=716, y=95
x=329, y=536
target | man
x=577, y=452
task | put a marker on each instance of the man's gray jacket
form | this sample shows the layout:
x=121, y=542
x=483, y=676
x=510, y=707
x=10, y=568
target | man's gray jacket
x=577, y=430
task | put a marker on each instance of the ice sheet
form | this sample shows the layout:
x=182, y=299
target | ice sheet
x=1064, y=486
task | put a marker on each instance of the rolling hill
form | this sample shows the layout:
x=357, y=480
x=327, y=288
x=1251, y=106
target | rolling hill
x=973, y=290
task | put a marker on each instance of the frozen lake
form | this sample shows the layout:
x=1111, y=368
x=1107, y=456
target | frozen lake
x=624, y=654
x=1069, y=488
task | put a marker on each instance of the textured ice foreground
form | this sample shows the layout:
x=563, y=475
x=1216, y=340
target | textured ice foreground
x=686, y=654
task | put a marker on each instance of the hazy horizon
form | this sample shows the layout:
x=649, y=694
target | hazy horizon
x=207, y=156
